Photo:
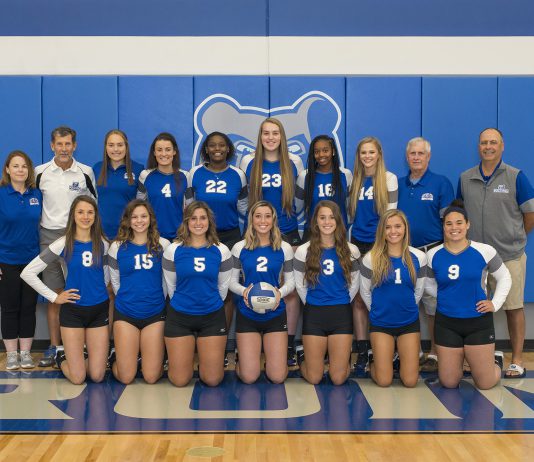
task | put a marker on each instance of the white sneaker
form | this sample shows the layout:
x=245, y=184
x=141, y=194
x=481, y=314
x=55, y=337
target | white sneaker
x=12, y=362
x=26, y=360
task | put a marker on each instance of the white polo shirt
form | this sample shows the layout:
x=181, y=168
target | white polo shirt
x=60, y=188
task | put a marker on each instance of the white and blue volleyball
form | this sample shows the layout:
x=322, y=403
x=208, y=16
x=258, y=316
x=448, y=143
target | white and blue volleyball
x=262, y=297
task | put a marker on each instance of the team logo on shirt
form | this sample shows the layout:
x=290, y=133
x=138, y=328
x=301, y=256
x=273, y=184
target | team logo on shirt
x=34, y=201
x=220, y=112
x=75, y=186
x=427, y=197
x=501, y=189
x=126, y=176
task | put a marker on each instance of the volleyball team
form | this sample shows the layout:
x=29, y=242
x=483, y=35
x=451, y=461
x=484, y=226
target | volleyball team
x=161, y=258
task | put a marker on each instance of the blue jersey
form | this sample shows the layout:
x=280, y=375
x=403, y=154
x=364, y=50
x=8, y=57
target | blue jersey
x=137, y=279
x=20, y=215
x=366, y=220
x=331, y=287
x=166, y=194
x=322, y=191
x=272, y=187
x=225, y=192
x=197, y=279
x=262, y=264
x=113, y=197
x=424, y=203
x=80, y=269
x=395, y=302
x=460, y=279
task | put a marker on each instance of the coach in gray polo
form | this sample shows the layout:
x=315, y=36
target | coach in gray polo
x=500, y=204
x=61, y=180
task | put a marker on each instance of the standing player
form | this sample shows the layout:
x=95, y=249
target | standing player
x=323, y=179
x=163, y=184
x=137, y=277
x=84, y=302
x=267, y=170
x=20, y=213
x=464, y=318
x=391, y=285
x=224, y=188
x=262, y=257
x=197, y=269
x=327, y=277
x=374, y=190
x=117, y=180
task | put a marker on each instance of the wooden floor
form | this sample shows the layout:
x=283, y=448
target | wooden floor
x=252, y=447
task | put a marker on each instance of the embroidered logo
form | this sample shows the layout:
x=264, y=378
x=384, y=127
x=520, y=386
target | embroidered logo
x=427, y=197
x=501, y=189
x=126, y=176
x=75, y=186
x=34, y=201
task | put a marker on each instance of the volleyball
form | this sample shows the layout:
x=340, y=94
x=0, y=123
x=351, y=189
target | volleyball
x=262, y=297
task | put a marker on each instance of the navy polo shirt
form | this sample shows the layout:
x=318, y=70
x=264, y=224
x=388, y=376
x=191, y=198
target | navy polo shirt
x=113, y=197
x=423, y=204
x=20, y=215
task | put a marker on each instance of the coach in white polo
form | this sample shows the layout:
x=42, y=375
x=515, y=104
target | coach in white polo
x=61, y=180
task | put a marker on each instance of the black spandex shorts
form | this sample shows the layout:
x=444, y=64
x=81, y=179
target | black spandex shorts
x=363, y=247
x=457, y=332
x=86, y=317
x=276, y=324
x=139, y=323
x=292, y=238
x=327, y=320
x=229, y=237
x=204, y=325
x=411, y=328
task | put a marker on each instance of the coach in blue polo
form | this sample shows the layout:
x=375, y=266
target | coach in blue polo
x=423, y=197
x=500, y=204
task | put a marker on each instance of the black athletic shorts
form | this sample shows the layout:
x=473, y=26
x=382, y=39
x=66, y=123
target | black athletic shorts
x=244, y=324
x=139, y=323
x=457, y=332
x=180, y=324
x=411, y=328
x=363, y=247
x=327, y=320
x=229, y=237
x=86, y=317
x=292, y=238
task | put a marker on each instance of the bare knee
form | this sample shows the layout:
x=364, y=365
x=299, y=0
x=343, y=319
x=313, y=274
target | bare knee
x=276, y=377
x=97, y=377
x=485, y=384
x=449, y=382
x=382, y=381
x=77, y=378
x=338, y=377
x=313, y=377
x=211, y=380
x=151, y=378
x=180, y=380
x=248, y=377
x=409, y=382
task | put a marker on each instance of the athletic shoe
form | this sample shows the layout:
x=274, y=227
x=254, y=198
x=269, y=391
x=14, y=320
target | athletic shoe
x=12, y=362
x=85, y=352
x=26, y=360
x=226, y=361
x=236, y=356
x=499, y=359
x=370, y=360
x=111, y=357
x=48, y=357
x=430, y=364
x=59, y=357
x=300, y=354
x=291, y=357
x=396, y=362
x=361, y=361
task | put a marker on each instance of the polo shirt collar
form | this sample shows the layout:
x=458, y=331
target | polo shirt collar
x=422, y=180
x=12, y=190
x=55, y=166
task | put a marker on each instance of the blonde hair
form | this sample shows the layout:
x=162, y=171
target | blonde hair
x=184, y=235
x=251, y=238
x=286, y=170
x=313, y=256
x=379, y=252
x=380, y=190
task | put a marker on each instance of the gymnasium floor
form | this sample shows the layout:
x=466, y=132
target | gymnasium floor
x=44, y=417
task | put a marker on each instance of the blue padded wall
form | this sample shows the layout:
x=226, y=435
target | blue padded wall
x=88, y=105
x=388, y=108
x=150, y=105
x=20, y=116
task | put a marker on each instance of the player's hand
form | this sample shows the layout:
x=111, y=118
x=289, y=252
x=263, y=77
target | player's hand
x=278, y=298
x=245, y=295
x=485, y=306
x=67, y=296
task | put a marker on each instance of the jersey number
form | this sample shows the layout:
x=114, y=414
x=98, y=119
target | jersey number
x=200, y=264
x=325, y=190
x=143, y=261
x=261, y=267
x=328, y=267
x=274, y=180
x=213, y=186
x=398, y=279
x=166, y=190
x=366, y=194
x=454, y=272
x=87, y=258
